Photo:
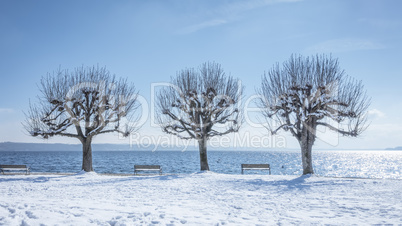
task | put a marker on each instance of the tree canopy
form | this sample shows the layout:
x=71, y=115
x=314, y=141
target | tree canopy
x=82, y=104
x=199, y=99
x=306, y=92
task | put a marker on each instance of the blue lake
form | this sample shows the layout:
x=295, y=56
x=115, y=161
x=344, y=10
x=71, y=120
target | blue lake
x=365, y=164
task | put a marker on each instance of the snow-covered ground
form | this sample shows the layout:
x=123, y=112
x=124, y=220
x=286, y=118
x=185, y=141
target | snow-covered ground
x=200, y=198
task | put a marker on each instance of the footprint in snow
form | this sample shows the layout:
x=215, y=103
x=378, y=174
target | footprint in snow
x=30, y=215
x=11, y=210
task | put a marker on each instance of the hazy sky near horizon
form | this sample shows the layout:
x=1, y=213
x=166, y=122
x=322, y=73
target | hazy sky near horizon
x=148, y=41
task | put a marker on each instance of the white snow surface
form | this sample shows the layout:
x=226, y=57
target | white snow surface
x=197, y=199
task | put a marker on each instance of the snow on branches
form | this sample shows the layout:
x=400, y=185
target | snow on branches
x=308, y=92
x=89, y=101
x=197, y=101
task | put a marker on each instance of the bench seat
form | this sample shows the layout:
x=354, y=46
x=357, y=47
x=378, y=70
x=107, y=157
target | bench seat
x=147, y=168
x=255, y=167
x=14, y=168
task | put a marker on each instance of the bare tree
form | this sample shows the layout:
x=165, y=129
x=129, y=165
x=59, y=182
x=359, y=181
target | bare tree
x=200, y=104
x=307, y=92
x=82, y=104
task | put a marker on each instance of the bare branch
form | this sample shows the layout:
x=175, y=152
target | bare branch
x=350, y=132
x=198, y=100
x=312, y=89
x=87, y=100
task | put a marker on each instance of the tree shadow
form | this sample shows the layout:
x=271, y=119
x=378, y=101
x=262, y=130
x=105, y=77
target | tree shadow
x=298, y=183
x=81, y=177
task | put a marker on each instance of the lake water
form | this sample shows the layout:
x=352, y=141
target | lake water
x=365, y=164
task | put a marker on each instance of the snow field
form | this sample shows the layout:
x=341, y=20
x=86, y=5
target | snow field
x=201, y=198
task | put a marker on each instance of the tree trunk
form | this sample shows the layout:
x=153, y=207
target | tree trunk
x=202, y=143
x=87, y=155
x=307, y=159
x=306, y=144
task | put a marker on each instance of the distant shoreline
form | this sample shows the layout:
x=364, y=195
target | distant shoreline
x=19, y=146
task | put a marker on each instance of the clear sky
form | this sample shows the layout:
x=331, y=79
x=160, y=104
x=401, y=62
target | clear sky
x=148, y=41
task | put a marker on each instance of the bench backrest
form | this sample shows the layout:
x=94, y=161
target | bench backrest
x=13, y=166
x=255, y=166
x=147, y=166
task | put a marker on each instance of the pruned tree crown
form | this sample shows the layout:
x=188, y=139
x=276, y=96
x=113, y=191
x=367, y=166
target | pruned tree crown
x=197, y=100
x=307, y=92
x=81, y=104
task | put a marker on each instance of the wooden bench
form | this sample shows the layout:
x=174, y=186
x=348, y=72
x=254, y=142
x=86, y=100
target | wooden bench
x=255, y=167
x=147, y=168
x=14, y=168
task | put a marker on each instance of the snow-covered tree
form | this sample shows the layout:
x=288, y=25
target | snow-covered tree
x=82, y=104
x=307, y=92
x=200, y=104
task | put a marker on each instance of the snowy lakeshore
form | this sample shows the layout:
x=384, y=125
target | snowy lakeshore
x=197, y=199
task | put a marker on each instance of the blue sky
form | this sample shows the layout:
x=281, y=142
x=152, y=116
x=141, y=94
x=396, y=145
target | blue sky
x=148, y=41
